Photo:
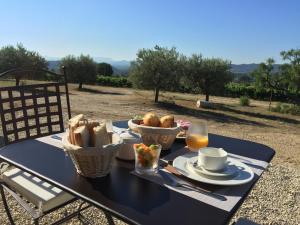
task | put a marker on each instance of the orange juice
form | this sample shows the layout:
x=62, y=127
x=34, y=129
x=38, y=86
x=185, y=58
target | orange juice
x=196, y=141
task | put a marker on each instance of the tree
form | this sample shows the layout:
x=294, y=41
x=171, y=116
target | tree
x=104, y=69
x=15, y=57
x=286, y=80
x=291, y=73
x=208, y=75
x=80, y=69
x=155, y=69
x=266, y=78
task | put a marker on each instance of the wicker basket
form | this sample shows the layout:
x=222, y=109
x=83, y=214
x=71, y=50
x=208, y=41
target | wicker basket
x=91, y=161
x=133, y=125
x=157, y=135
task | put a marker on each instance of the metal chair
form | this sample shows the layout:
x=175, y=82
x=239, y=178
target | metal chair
x=32, y=111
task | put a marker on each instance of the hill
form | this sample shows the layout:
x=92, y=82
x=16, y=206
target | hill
x=248, y=68
x=121, y=67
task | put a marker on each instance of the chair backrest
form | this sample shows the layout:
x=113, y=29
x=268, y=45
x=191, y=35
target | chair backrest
x=31, y=111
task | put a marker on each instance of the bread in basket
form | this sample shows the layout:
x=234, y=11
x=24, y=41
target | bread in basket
x=97, y=150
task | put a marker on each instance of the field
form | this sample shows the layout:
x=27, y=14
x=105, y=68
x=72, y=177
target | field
x=276, y=197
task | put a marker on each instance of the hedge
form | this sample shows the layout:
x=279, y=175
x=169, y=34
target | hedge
x=113, y=81
x=233, y=89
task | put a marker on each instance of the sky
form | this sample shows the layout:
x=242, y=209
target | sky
x=243, y=31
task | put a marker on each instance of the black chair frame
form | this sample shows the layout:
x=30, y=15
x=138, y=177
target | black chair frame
x=40, y=91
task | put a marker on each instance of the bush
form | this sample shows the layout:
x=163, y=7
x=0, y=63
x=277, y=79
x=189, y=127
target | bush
x=244, y=101
x=286, y=108
x=113, y=81
x=295, y=110
x=233, y=89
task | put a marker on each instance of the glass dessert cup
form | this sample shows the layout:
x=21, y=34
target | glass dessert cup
x=146, y=158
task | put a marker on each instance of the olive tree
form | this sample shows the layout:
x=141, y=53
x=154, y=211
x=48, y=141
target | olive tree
x=266, y=78
x=290, y=73
x=16, y=57
x=155, y=69
x=104, y=69
x=286, y=80
x=208, y=75
x=80, y=69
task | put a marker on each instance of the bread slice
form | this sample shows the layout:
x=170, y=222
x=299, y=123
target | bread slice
x=101, y=137
x=90, y=125
x=82, y=136
x=74, y=120
x=109, y=129
x=73, y=124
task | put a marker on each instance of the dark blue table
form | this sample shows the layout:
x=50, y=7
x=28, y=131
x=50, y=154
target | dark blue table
x=124, y=195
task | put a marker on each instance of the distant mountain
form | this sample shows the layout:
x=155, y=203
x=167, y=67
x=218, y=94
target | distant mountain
x=120, y=67
x=53, y=65
x=248, y=68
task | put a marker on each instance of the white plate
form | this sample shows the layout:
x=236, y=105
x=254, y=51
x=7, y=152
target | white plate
x=244, y=174
x=229, y=171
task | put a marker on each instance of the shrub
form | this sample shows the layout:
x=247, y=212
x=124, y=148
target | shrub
x=295, y=110
x=276, y=108
x=113, y=81
x=286, y=108
x=244, y=101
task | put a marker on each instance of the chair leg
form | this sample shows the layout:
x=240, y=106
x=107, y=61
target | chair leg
x=36, y=221
x=109, y=218
x=6, y=206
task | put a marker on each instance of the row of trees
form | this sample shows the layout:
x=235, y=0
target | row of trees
x=166, y=69
x=163, y=69
x=82, y=69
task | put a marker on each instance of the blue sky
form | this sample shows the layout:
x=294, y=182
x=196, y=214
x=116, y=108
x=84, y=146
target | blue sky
x=243, y=31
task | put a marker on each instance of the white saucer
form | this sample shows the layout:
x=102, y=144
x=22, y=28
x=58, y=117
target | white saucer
x=243, y=175
x=230, y=169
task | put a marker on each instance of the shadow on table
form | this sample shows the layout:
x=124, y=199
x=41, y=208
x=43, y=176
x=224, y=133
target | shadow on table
x=141, y=195
x=205, y=114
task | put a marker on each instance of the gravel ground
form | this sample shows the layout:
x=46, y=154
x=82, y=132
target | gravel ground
x=275, y=198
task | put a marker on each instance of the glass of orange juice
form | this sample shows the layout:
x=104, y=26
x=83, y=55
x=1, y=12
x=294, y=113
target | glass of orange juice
x=197, y=136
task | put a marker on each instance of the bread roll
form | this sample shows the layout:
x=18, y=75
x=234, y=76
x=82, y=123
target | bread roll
x=82, y=136
x=101, y=137
x=150, y=119
x=167, y=121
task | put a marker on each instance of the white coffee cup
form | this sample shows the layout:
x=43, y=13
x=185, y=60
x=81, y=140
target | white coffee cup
x=212, y=158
